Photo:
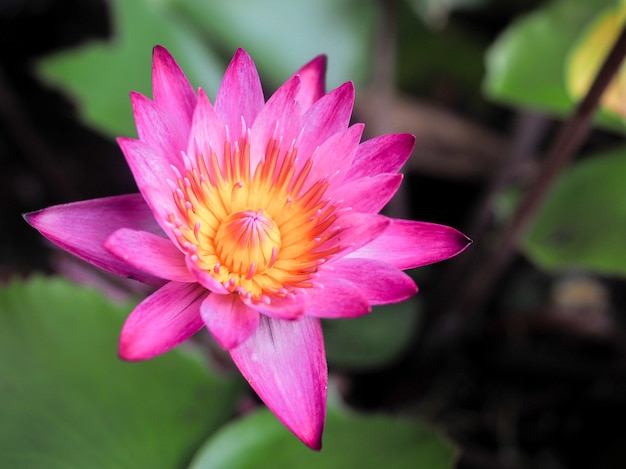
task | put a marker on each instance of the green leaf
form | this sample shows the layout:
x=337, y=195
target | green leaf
x=68, y=401
x=583, y=221
x=350, y=440
x=373, y=340
x=100, y=75
x=527, y=64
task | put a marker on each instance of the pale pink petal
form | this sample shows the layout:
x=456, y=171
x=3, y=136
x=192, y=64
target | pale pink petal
x=240, y=94
x=207, y=130
x=162, y=321
x=334, y=297
x=228, y=319
x=279, y=119
x=312, y=75
x=379, y=282
x=327, y=116
x=384, y=154
x=285, y=363
x=355, y=230
x=151, y=172
x=149, y=253
x=159, y=130
x=171, y=88
x=333, y=158
x=368, y=194
x=408, y=244
x=289, y=307
x=81, y=228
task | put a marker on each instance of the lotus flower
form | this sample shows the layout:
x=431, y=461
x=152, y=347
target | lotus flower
x=255, y=219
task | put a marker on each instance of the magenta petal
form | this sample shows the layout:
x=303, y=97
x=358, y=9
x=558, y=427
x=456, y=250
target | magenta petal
x=408, y=244
x=368, y=194
x=355, y=230
x=290, y=307
x=228, y=319
x=240, y=94
x=327, y=116
x=162, y=321
x=285, y=363
x=335, y=298
x=81, y=228
x=312, y=75
x=171, y=88
x=384, y=154
x=207, y=130
x=150, y=253
x=379, y=282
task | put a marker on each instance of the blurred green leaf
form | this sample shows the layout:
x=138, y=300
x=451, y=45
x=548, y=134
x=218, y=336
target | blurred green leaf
x=100, y=75
x=350, y=440
x=526, y=66
x=583, y=221
x=68, y=401
x=373, y=340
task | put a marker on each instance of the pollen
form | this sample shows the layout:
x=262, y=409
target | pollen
x=261, y=232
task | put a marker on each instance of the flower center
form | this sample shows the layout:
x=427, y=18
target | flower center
x=260, y=232
x=247, y=242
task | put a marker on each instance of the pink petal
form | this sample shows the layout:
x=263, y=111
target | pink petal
x=151, y=171
x=333, y=158
x=285, y=363
x=171, y=88
x=368, y=194
x=408, y=244
x=240, y=94
x=355, y=230
x=228, y=319
x=207, y=131
x=279, y=118
x=159, y=130
x=384, y=154
x=162, y=321
x=312, y=76
x=327, y=116
x=334, y=297
x=379, y=282
x=82, y=228
x=149, y=253
x=204, y=278
x=290, y=307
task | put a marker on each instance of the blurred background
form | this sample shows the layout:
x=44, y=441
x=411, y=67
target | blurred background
x=526, y=368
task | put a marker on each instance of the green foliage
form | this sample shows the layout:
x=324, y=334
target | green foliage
x=527, y=65
x=100, y=75
x=350, y=440
x=373, y=340
x=583, y=221
x=67, y=400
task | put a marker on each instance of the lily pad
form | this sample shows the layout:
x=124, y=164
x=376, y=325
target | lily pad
x=67, y=400
x=350, y=440
x=582, y=224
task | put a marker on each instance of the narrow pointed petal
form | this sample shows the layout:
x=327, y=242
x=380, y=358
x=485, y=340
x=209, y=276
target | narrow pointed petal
x=171, y=88
x=240, y=94
x=408, y=244
x=368, y=194
x=384, y=154
x=159, y=130
x=207, y=130
x=334, y=297
x=81, y=228
x=285, y=363
x=228, y=319
x=312, y=75
x=162, y=321
x=327, y=116
x=149, y=253
x=379, y=282
x=356, y=230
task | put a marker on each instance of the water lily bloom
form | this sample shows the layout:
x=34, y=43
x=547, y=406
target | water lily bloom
x=255, y=219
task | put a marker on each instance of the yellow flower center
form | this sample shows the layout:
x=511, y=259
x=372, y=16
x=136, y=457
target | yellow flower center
x=259, y=233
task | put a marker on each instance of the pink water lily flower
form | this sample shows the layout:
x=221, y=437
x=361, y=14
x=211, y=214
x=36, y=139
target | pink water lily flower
x=255, y=219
